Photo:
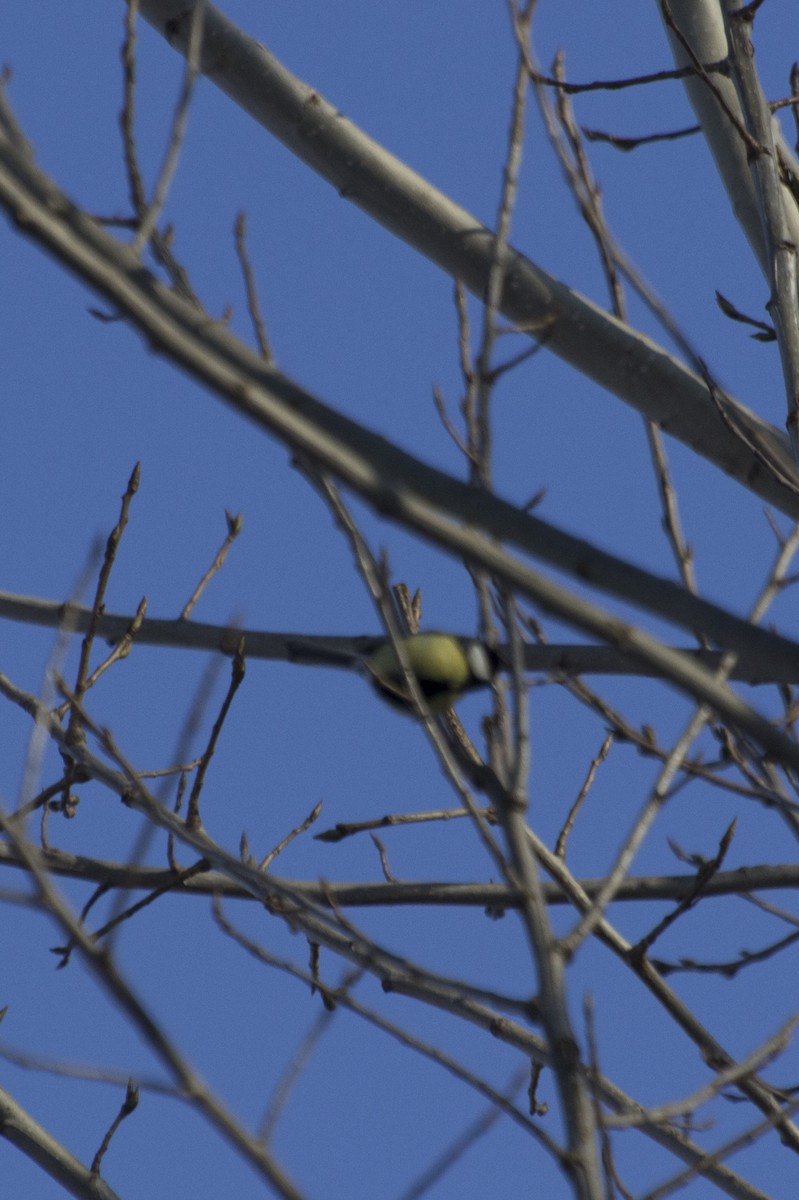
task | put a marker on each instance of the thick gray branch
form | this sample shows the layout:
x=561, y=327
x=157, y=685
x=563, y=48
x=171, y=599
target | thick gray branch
x=319, y=650
x=627, y=363
x=19, y=1129
x=465, y=519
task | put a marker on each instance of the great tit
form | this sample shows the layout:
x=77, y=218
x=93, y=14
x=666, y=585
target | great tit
x=445, y=667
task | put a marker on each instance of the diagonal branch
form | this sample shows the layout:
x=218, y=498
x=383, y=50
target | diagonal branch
x=20, y=1129
x=464, y=519
x=614, y=355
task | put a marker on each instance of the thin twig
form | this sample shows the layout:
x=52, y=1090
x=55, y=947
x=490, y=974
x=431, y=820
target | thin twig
x=237, y=671
x=253, y=303
x=128, y=1106
x=568, y=824
x=235, y=523
x=149, y=217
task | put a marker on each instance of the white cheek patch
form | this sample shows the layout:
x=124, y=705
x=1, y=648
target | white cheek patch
x=479, y=662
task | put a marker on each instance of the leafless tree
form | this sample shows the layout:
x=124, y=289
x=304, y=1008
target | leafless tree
x=662, y=699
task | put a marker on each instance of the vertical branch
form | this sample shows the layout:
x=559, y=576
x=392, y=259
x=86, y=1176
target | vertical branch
x=175, y=144
x=112, y=545
x=780, y=246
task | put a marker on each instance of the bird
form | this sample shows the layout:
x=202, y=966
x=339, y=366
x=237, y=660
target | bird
x=445, y=666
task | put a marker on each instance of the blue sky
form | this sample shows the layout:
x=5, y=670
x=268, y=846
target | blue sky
x=361, y=320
